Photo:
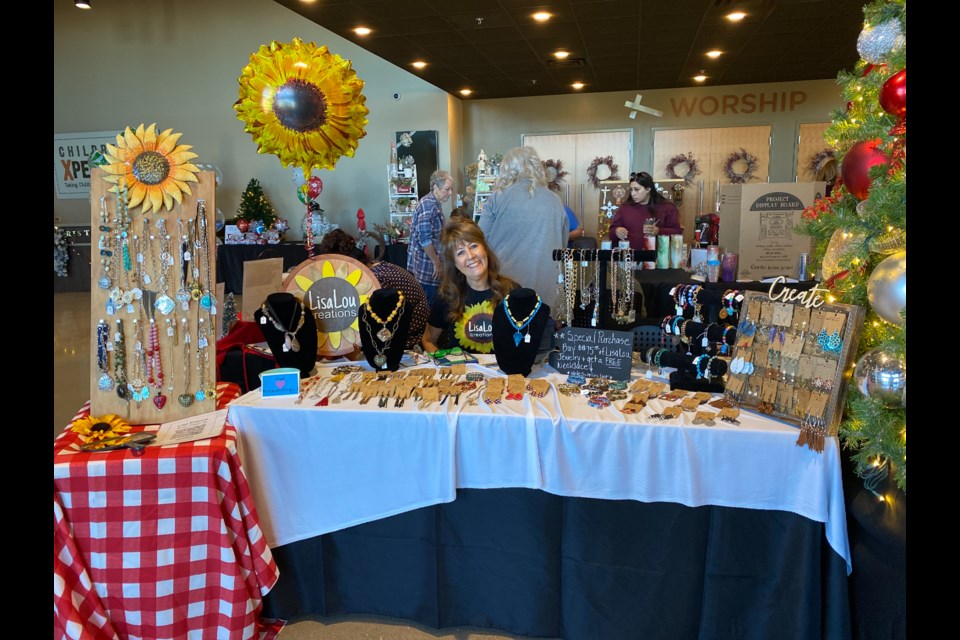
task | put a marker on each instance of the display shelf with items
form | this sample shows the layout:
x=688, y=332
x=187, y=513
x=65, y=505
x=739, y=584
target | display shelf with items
x=790, y=357
x=153, y=310
x=402, y=190
x=486, y=182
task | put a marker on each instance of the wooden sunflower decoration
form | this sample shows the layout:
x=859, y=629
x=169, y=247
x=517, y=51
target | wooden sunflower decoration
x=98, y=430
x=303, y=104
x=151, y=167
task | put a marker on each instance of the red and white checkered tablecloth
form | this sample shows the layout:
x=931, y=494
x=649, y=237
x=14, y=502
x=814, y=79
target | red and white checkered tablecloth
x=164, y=545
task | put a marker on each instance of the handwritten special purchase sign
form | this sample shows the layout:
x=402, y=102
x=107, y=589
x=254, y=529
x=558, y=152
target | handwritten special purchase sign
x=71, y=161
x=596, y=353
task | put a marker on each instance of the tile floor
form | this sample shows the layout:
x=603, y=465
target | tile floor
x=71, y=365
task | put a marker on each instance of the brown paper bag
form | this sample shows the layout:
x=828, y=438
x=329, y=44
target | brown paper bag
x=260, y=279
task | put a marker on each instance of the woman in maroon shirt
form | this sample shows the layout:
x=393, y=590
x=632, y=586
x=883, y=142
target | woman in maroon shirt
x=629, y=222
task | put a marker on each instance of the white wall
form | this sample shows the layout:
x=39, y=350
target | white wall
x=177, y=63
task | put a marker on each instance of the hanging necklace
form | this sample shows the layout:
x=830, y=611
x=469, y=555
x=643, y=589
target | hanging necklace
x=380, y=360
x=105, y=383
x=104, y=282
x=385, y=334
x=519, y=326
x=120, y=363
x=290, y=342
x=186, y=398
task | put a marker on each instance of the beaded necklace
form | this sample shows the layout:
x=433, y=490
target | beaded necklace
x=120, y=363
x=103, y=245
x=290, y=342
x=385, y=334
x=105, y=383
x=520, y=326
x=380, y=359
x=186, y=398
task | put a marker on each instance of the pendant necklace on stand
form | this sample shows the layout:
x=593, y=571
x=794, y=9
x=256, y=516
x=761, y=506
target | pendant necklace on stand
x=380, y=359
x=385, y=334
x=520, y=326
x=290, y=342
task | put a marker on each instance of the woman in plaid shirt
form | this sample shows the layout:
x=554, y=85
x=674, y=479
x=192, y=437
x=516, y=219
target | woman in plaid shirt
x=423, y=256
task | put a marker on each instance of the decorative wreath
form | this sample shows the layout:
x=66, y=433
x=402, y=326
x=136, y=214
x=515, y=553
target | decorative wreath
x=744, y=156
x=608, y=164
x=680, y=159
x=553, y=169
x=819, y=161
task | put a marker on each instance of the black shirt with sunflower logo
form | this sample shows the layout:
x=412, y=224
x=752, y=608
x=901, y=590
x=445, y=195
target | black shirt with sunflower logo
x=473, y=332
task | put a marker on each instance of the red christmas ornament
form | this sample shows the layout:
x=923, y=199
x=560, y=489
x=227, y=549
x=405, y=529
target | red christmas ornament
x=857, y=162
x=243, y=225
x=893, y=94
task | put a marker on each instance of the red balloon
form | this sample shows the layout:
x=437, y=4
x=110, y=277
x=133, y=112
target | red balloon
x=243, y=225
x=316, y=186
x=857, y=162
x=893, y=94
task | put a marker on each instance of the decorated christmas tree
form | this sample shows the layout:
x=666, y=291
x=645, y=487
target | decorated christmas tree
x=860, y=240
x=255, y=206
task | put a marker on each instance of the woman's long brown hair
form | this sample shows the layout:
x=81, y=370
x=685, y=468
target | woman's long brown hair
x=453, y=284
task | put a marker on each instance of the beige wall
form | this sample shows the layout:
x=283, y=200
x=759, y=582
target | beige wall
x=176, y=63
x=496, y=125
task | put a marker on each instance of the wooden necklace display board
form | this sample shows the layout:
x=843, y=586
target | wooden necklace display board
x=170, y=367
x=789, y=360
x=333, y=287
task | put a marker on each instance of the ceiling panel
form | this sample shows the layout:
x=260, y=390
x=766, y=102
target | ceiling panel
x=656, y=43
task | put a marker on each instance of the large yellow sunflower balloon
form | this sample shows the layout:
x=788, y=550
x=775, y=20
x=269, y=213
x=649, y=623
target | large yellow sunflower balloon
x=152, y=167
x=303, y=104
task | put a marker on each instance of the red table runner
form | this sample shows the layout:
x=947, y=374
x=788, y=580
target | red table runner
x=163, y=545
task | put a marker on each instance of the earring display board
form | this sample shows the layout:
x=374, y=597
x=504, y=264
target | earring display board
x=333, y=287
x=791, y=352
x=153, y=310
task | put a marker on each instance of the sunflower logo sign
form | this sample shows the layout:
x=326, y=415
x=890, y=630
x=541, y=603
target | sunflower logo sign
x=474, y=331
x=333, y=287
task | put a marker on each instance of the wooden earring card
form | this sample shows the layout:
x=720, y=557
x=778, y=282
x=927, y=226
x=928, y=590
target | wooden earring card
x=792, y=351
x=126, y=294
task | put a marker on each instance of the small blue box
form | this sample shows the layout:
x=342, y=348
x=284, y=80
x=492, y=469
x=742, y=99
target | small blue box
x=277, y=383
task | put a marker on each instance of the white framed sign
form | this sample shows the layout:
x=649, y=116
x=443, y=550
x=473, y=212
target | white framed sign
x=71, y=164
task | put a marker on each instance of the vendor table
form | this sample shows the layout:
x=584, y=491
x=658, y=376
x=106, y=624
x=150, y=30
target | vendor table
x=546, y=517
x=164, y=545
x=230, y=259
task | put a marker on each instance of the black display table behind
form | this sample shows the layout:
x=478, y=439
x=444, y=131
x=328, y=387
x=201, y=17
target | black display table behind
x=230, y=259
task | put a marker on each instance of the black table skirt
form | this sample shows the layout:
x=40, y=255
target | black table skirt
x=533, y=563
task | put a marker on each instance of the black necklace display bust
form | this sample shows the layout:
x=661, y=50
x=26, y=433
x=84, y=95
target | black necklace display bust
x=384, y=327
x=291, y=333
x=519, y=322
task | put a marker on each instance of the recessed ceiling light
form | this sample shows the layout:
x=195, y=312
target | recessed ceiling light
x=362, y=31
x=465, y=92
x=577, y=85
x=714, y=54
x=419, y=64
x=736, y=16
x=541, y=16
x=561, y=54
x=700, y=77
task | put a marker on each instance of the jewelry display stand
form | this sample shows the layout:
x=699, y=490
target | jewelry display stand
x=789, y=361
x=169, y=364
x=294, y=342
x=519, y=322
x=384, y=327
x=599, y=259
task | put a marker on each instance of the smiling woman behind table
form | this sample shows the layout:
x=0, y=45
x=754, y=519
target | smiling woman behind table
x=645, y=202
x=471, y=286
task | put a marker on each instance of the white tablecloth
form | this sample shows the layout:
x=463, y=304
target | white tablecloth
x=313, y=470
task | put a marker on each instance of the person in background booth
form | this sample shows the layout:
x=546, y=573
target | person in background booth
x=576, y=231
x=388, y=275
x=471, y=286
x=524, y=222
x=645, y=203
x=423, y=257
